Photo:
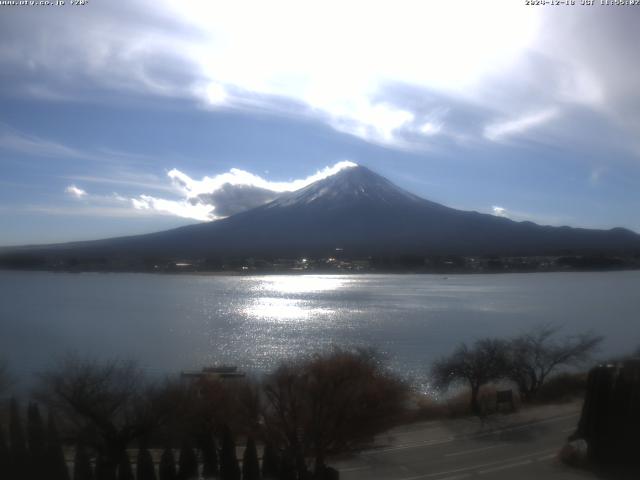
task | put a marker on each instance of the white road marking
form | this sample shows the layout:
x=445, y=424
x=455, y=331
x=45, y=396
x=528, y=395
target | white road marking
x=547, y=457
x=474, y=450
x=504, y=467
x=426, y=443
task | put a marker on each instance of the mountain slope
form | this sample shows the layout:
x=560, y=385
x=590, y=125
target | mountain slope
x=363, y=214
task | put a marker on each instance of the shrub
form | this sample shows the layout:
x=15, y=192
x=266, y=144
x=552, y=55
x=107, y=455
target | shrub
x=188, y=463
x=167, y=469
x=250, y=465
x=229, y=469
x=82, y=465
x=563, y=387
x=144, y=468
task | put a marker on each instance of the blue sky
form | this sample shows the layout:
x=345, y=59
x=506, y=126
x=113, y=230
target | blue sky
x=121, y=117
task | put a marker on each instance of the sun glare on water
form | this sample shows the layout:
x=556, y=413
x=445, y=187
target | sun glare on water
x=284, y=309
x=279, y=297
x=295, y=284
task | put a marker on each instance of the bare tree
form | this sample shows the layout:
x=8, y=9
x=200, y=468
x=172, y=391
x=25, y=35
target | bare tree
x=109, y=404
x=477, y=365
x=533, y=356
x=330, y=403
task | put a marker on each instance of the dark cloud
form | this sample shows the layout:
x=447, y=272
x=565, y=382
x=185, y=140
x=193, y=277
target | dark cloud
x=232, y=199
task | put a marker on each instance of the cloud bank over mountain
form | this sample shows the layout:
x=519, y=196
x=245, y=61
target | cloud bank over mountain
x=209, y=198
x=519, y=70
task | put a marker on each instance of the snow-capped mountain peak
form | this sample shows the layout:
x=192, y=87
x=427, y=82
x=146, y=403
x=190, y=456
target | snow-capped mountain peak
x=354, y=184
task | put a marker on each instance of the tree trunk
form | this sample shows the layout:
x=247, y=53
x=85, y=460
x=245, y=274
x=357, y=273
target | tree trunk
x=475, y=406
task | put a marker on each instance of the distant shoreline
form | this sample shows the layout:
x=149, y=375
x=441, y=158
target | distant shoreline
x=315, y=272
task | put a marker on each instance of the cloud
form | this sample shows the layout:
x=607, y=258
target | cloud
x=499, y=211
x=235, y=176
x=92, y=211
x=126, y=179
x=223, y=58
x=212, y=198
x=75, y=191
x=520, y=125
x=596, y=175
x=107, y=205
x=184, y=209
x=231, y=199
x=35, y=146
x=207, y=199
x=495, y=58
x=31, y=145
x=525, y=216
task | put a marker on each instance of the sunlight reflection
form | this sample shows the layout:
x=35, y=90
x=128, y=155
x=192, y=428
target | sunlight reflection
x=302, y=283
x=283, y=309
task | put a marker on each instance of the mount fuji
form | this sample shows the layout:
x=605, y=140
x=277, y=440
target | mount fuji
x=361, y=213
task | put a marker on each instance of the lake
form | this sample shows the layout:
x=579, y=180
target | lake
x=174, y=322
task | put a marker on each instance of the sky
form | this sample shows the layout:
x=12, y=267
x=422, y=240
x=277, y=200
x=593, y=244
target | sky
x=126, y=117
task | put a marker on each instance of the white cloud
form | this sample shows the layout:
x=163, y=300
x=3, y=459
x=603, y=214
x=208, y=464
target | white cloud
x=35, y=146
x=202, y=197
x=596, y=175
x=193, y=188
x=207, y=199
x=328, y=61
x=128, y=179
x=341, y=74
x=93, y=211
x=173, y=207
x=520, y=125
x=75, y=191
x=540, y=218
x=430, y=128
x=31, y=145
x=326, y=57
x=499, y=211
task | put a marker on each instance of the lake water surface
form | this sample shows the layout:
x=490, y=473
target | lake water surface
x=174, y=322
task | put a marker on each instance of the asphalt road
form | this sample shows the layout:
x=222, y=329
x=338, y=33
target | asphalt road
x=499, y=448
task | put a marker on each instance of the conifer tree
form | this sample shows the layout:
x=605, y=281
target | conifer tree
x=270, y=462
x=4, y=455
x=104, y=468
x=82, y=464
x=287, y=466
x=167, y=465
x=125, y=471
x=145, y=469
x=250, y=465
x=37, y=443
x=187, y=463
x=209, y=456
x=56, y=464
x=18, y=454
x=229, y=469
